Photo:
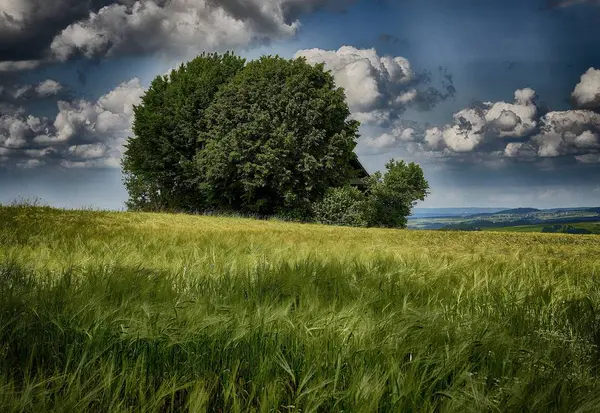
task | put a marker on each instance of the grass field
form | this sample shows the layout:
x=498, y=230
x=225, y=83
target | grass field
x=592, y=226
x=122, y=312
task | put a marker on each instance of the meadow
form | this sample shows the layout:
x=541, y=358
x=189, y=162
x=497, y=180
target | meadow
x=127, y=312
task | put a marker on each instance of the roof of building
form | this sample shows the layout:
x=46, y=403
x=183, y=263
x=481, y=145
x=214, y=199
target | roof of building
x=362, y=172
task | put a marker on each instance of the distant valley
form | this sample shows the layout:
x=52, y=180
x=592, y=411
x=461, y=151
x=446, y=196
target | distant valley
x=572, y=220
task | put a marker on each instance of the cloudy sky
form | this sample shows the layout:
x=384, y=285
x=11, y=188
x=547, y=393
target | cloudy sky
x=498, y=100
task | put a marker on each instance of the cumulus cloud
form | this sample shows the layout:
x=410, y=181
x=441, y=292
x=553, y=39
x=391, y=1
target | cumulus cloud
x=27, y=28
x=391, y=139
x=467, y=131
x=516, y=119
x=498, y=132
x=587, y=91
x=573, y=132
x=83, y=133
x=34, y=31
x=43, y=90
x=485, y=123
x=378, y=88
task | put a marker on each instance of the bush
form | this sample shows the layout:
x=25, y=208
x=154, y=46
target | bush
x=345, y=206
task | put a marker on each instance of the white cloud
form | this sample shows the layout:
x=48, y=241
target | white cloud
x=514, y=119
x=391, y=139
x=17, y=66
x=378, y=88
x=494, y=130
x=587, y=91
x=45, y=89
x=589, y=158
x=467, y=132
x=587, y=139
x=88, y=151
x=110, y=162
x=567, y=133
x=62, y=29
x=375, y=86
x=83, y=134
x=474, y=126
x=180, y=26
x=434, y=138
x=48, y=87
x=109, y=118
x=519, y=150
x=30, y=164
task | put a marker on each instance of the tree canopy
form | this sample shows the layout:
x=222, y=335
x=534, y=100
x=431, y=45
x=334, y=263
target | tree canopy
x=276, y=137
x=158, y=163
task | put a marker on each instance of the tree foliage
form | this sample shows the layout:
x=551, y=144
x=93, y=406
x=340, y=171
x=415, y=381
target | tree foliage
x=265, y=138
x=158, y=161
x=345, y=206
x=393, y=195
x=387, y=202
x=276, y=137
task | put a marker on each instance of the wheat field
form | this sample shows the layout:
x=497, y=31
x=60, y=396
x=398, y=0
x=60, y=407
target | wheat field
x=126, y=312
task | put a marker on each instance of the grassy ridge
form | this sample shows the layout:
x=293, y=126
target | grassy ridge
x=146, y=312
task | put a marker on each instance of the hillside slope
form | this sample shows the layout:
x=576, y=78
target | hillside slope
x=150, y=312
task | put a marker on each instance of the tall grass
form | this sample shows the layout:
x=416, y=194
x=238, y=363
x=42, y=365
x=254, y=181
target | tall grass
x=120, y=312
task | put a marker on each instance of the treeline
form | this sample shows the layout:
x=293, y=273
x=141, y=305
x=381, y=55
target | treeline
x=566, y=229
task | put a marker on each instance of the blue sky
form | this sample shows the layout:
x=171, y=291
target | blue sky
x=541, y=149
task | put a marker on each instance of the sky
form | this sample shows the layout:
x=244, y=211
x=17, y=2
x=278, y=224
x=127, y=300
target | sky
x=497, y=100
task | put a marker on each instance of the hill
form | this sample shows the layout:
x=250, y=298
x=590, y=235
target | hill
x=508, y=218
x=158, y=313
x=517, y=211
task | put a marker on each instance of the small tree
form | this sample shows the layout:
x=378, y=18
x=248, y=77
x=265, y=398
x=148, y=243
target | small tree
x=391, y=196
x=276, y=138
x=387, y=201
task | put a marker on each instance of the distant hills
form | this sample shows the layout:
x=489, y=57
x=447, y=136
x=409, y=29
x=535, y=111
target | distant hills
x=479, y=218
x=450, y=212
x=514, y=211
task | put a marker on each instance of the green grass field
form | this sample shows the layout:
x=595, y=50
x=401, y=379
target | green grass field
x=123, y=312
x=592, y=226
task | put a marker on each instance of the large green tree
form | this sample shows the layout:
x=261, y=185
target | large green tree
x=275, y=139
x=158, y=161
x=267, y=137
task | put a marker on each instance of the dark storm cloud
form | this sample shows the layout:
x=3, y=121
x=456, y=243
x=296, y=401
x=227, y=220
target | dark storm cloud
x=428, y=98
x=36, y=30
x=27, y=27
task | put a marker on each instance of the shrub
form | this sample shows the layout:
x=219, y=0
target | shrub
x=345, y=206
